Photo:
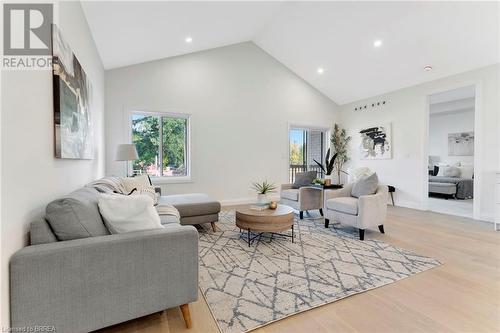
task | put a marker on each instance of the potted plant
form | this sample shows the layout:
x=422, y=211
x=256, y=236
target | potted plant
x=262, y=190
x=328, y=166
x=339, y=141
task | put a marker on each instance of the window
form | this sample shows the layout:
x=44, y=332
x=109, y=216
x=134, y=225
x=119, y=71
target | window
x=162, y=142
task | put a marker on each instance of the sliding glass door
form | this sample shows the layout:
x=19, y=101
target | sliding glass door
x=305, y=146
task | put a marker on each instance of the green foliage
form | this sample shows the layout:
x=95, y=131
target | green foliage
x=340, y=142
x=174, y=139
x=146, y=136
x=264, y=187
x=329, y=163
x=296, y=154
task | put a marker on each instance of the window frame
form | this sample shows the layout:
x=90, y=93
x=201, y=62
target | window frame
x=165, y=179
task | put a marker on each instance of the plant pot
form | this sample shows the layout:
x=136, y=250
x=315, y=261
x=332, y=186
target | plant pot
x=262, y=198
x=328, y=180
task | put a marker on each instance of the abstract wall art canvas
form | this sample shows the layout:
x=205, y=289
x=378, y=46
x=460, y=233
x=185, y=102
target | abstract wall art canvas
x=376, y=142
x=72, y=100
x=461, y=144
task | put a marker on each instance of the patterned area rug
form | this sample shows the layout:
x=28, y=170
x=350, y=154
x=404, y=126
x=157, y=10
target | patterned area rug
x=248, y=287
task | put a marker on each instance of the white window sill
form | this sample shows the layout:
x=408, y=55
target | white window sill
x=170, y=180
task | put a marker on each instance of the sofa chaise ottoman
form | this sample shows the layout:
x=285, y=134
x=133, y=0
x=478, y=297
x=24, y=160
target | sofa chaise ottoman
x=194, y=208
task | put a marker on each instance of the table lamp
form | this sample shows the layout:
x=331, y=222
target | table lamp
x=126, y=152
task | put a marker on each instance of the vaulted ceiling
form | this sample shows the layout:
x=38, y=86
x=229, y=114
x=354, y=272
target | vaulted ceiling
x=451, y=37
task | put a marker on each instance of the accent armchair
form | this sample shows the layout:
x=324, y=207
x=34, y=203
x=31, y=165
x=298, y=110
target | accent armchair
x=362, y=213
x=302, y=199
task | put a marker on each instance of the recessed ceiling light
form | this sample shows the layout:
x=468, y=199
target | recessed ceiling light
x=428, y=68
x=320, y=70
x=188, y=39
x=377, y=43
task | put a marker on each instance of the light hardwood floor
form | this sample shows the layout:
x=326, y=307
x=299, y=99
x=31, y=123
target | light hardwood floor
x=462, y=295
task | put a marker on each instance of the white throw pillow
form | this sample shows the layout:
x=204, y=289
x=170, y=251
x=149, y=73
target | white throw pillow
x=149, y=191
x=141, y=186
x=137, y=182
x=466, y=172
x=127, y=213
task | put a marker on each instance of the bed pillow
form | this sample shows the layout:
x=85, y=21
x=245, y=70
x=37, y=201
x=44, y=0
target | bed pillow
x=435, y=171
x=451, y=171
x=466, y=172
x=365, y=186
x=441, y=168
x=127, y=213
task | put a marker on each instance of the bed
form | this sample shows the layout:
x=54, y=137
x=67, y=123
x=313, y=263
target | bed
x=464, y=186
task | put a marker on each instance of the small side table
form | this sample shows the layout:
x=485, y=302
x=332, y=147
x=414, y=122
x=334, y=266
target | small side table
x=327, y=187
x=392, y=189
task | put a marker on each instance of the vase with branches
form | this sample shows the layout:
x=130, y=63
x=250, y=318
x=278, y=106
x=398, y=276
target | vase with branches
x=339, y=141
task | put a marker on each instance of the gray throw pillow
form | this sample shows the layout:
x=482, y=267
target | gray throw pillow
x=76, y=215
x=304, y=179
x=40, y=233
x=365, y=186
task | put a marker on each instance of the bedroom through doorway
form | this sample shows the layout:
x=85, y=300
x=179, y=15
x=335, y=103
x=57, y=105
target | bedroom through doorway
x=451, y=152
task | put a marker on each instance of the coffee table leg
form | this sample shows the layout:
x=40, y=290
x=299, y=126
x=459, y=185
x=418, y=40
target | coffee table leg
x=292, y=234
x=248, y=237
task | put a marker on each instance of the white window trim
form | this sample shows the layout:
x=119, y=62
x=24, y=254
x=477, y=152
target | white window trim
x=166, y=179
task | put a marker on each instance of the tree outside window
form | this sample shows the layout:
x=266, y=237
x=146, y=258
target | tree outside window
x=162, y=142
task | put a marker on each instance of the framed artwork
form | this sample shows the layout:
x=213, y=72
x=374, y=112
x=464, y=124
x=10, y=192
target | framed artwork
x=72, y=99
x=376, y=142
x=461, y=144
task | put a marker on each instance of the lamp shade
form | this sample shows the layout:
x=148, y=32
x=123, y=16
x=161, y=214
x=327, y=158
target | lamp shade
x=126, y=152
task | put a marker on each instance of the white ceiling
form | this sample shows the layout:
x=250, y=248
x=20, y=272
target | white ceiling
x=131, y=32
x=452, y=37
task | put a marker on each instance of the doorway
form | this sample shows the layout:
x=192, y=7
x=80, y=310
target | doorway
x=451, y=157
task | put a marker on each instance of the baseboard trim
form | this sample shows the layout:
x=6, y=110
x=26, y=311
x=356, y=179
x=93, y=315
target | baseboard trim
x=240, y=201
x=246, y=201
x=487, y=218
x=408, y=204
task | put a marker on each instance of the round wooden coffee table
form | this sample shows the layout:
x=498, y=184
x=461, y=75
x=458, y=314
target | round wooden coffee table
x=265, y=221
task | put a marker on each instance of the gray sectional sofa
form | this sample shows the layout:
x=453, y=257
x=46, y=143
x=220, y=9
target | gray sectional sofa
x=77, y=277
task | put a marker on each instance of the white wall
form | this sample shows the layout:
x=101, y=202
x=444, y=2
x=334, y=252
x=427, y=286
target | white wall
x=241, y=101
x=442, y=124
x=407, y=110
x=31, y=176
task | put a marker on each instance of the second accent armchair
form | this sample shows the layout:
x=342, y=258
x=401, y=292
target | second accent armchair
x=302, y=199
x=362, y=213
